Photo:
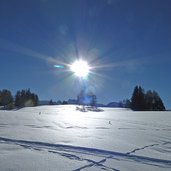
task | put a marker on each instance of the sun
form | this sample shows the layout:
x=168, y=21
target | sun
x=80, y=68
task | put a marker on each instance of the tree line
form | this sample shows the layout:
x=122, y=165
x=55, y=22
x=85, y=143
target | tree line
x=140, y=100
x=23, y=98
x=145, y=101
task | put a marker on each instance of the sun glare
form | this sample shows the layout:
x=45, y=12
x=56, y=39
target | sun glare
x=80, y=68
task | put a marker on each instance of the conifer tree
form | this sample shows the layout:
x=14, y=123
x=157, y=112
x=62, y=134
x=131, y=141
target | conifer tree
x=5, y=97
x=137, y=100
x=25, y=98
x=149, y=101
x=153, y=102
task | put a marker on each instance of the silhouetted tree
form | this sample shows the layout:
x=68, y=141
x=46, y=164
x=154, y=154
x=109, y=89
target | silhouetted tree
x=5, y=98
x=25, y=98
x=51, y=102
x=153, y=102
x=149, y=101
x=137, y=100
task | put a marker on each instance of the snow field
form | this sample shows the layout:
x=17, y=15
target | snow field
x=62, y=138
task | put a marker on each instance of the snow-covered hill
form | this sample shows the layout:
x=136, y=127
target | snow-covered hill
x=61, y=138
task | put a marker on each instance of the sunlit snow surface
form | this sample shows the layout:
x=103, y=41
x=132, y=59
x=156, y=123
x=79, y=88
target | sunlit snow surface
x=60, y=138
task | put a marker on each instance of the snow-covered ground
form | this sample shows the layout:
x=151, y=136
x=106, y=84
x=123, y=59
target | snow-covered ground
x=61, y=138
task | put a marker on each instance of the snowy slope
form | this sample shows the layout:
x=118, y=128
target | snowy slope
x=62, y=138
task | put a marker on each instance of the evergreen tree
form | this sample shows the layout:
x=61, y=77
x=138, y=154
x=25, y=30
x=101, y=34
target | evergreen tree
x=149, y=101
x=51, y=102
x=5, y=98
x=153, y=102
x=137, y=100
x=25, y=98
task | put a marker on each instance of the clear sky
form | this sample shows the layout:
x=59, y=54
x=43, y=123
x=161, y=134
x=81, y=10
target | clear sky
x=127, y=41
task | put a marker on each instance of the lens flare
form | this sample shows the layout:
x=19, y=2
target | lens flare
x=59, y=66
x=80, y=68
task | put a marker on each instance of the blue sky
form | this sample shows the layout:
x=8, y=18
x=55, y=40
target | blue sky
x=127, y=41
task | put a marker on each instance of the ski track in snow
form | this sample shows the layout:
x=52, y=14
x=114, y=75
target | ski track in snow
x=147, y=146
x=68, y=150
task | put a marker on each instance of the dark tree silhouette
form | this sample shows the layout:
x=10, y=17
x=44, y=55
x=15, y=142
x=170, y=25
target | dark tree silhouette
x=149, y=101
x=137, y=100
x=153, y=102
x=25, y=98
x=51, y=102
x=6, y=99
